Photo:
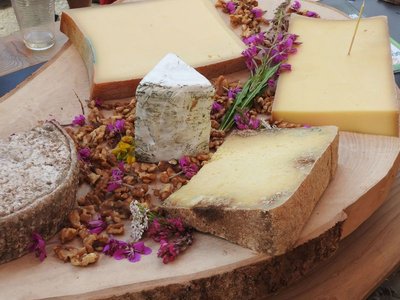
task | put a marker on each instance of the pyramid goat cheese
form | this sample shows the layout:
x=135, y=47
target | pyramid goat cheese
x=172, y=112
x=259, y=190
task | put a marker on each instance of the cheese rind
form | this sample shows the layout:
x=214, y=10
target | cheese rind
x=43, y=210
x=355, y=92
x=132, y=37
x=259, y=190
x=172, y=112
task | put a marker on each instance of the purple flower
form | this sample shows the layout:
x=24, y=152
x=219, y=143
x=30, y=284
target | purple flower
x=168, y=252
x=141, y=248
x=296, y=5
x=271, y=82
x=284, y=47
x=79, y=120
x=251, y=64
x=113, y=246
x=121, y=250
x=232, y=92
x=258, y=13
x=117, y=127
x=285, y=67
x=98, y=102
x=231, y=7
x=165, y=228
x=38, y=246
x=240, y=124
x=116, y=180
x=188, y=168
x=306, y=126
x=172, y=235
x=216, y=107
x=250, y=52
x=254, y=123
x=312, y=14
x=255, y=39
x=97, y=225
x=84, y=154
x=244, y=121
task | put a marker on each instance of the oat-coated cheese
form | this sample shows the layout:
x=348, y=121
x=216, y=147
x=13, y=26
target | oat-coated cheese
x=38, y=184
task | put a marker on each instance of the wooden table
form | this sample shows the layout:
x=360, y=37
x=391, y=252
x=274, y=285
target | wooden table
x=15, y=56
x=364, y=259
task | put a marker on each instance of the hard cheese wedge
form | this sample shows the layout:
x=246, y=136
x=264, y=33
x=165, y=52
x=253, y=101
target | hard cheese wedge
x=355, y=92
x=259, y=190
x=121, y=43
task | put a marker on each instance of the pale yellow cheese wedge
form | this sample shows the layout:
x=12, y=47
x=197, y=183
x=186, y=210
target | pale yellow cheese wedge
x=355, y=92
x=121, y=43
x=259, y=190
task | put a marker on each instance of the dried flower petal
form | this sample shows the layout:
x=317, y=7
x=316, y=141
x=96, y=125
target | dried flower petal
x=312, y=14
x=285, y=67
x=38, y=246
x=98, y=102
x=231, y=7
x=117, y=127
x=257, y=12
x=244, y=121
x=125, y=150
x=97, y=225
x=116, y=180
x=216, y=107
x=296, y=5
x=255, y=39
x=121, y=250
x=232, y=92
x=79, y=120
x=188, y=168
x=172, y=235
x=84, y=154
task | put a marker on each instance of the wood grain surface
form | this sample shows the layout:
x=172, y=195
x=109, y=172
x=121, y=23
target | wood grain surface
x=367, y=168
x=361, y=262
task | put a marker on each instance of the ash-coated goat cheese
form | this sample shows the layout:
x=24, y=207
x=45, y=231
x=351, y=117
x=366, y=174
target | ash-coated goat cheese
x=173, y=112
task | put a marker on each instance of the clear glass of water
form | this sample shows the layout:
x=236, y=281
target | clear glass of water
x=36, y=21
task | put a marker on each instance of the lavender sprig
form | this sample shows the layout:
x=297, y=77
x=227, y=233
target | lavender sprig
x=274, y=51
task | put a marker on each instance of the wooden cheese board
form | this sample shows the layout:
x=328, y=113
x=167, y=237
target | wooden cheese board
x=212, y=267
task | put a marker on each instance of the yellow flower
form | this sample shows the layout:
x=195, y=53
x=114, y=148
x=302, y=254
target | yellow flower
x=125, y=149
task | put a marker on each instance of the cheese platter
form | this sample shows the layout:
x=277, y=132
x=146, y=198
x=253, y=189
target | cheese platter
x=211, y=263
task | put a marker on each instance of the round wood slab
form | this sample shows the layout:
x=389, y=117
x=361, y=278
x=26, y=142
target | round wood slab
x=212, y=267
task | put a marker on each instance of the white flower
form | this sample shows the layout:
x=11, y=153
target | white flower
x=140, y=220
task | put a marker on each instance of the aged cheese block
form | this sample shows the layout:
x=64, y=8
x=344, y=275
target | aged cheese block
x=38, y=183
x=259, y=190
x=172, y=112
x=355, y=92
x=121, y=43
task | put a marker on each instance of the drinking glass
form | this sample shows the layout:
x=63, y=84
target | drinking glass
x=36, y=21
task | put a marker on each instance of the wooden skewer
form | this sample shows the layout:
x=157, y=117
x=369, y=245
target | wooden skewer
x=356, y=29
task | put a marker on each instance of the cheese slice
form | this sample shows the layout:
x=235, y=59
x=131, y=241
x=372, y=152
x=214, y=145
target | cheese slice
x=121, y=43
x=172, y=112
x=259, y=190
x=355, y=92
